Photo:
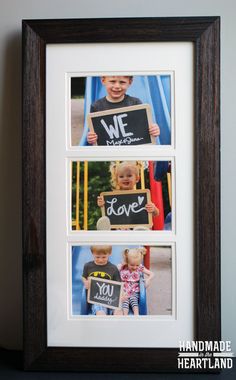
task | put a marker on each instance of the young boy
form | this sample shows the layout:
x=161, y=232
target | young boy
x=101, y=267
x=116, y=87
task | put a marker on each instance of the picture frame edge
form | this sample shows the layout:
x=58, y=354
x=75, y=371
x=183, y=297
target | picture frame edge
x=36, y=35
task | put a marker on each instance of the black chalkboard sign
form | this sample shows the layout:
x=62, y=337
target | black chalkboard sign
x=127, y=208
x=122, y=126
x=105, y=292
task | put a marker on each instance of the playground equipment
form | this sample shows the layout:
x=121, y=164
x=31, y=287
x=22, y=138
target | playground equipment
x=162, y=169
x=86, y=308
x=154, y=90
x=82, y=255
x=156, y=170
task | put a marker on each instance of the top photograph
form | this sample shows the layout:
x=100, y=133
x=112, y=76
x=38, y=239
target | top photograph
x=121, y=110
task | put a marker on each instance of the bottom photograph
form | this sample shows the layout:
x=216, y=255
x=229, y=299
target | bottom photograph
x=122, y=280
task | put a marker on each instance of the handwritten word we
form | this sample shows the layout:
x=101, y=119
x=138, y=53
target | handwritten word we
x=119, y=126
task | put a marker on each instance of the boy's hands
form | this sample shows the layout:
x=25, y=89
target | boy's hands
x=92, y=138
x=100, y=201
x=154, y=130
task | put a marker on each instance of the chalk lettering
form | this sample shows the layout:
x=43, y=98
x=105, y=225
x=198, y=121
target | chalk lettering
x=126, y=141
x=113, y=131
x=105, y=289
x=104, y=292
x=133, y=207
x=123, y=125
x=140, y=199
x=105, y=299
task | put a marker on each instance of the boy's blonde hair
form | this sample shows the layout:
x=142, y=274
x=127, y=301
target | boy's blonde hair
x=101, y=249
x=116, y=167
x=127, y=76
x=134, y=253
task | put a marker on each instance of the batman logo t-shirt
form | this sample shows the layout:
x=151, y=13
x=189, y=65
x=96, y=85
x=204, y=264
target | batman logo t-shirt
x=108, y=271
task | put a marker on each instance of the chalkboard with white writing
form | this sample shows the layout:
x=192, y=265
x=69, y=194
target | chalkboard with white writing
x=126, y=208
x=122, y=126
x=105, y=292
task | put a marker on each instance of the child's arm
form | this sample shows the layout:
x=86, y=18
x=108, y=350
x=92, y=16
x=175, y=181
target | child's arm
x=85, y=275
x=150, y=207
x=124, y=296
x=92, y=138
x=154, y=130
x=150, y=275
x=100, y=201
x=86, y=282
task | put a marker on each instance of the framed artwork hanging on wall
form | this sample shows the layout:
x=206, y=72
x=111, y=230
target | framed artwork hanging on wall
x=121, y=211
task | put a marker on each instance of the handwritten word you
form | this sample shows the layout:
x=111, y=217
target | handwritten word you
x=105, y=293
x=105, y=289
x=124, y=209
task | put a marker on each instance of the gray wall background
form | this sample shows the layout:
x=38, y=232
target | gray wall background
x=11, y=14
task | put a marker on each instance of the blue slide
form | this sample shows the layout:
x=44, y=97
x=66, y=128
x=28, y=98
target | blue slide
x=156, y=91
x=80, y=256
x=152, y=89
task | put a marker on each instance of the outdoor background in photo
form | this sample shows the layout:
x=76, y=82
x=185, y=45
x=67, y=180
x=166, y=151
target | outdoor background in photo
x=154, y=90
x=155, y=300
x=90, y=178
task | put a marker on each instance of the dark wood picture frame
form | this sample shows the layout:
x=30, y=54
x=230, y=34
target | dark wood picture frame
x=204, y=33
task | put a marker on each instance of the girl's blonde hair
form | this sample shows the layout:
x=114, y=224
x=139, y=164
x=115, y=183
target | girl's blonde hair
x=134, y=253
x=116, y=167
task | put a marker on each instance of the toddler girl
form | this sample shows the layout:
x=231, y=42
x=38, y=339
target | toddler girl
x=124, y=176
x=130, y=272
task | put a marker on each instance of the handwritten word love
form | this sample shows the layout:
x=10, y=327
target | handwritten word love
x=125, y=209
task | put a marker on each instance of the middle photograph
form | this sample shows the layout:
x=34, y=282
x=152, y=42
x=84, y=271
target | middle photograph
x=121, y=195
